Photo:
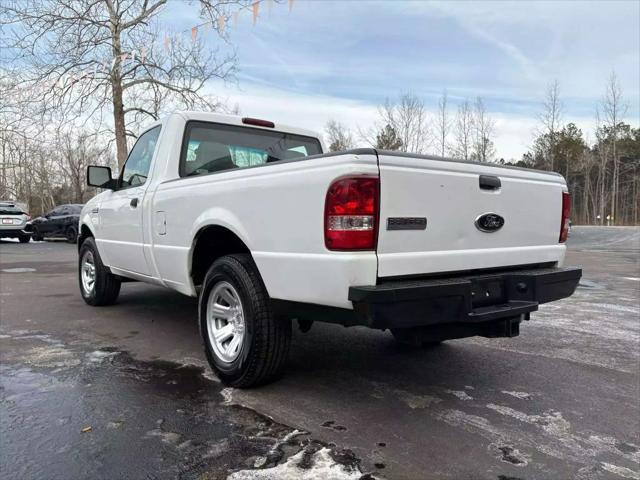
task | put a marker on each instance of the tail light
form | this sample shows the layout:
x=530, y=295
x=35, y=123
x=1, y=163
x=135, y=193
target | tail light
x=258, y=122
x=351, y=214
x=566, y=211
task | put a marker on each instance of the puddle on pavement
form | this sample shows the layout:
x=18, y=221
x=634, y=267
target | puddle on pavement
x=68, y=413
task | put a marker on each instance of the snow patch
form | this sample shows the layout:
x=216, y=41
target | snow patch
x=512, y=455
x=633, y=279
x=51, y=356
x=170, y=438
x=227, y=395
x=621, y=471
x=416, y=401
x=303, y=466
x=18, y=270
x=99, y=356
x=520, y=395
x=460, y=394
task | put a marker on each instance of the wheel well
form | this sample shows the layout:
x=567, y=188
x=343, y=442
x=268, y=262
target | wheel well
x=84, y=233
x=210, y=244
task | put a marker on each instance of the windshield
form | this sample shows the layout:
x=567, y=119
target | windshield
x=212, y=147
x=11, y=210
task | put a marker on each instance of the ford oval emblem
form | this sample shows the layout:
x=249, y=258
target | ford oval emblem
x=489, y=222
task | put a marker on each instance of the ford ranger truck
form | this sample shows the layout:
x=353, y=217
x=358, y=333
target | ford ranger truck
x=263, y=227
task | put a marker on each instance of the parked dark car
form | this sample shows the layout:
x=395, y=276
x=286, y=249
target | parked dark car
x=62, y=221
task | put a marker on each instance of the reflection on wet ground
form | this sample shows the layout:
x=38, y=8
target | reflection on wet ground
x=69, y=412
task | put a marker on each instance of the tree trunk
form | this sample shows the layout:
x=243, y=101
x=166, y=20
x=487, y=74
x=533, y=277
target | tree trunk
x=120, y=130
x=3, y=193
x=118, y=121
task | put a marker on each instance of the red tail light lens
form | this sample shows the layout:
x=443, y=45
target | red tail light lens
x=351, y=214
x=566, y=211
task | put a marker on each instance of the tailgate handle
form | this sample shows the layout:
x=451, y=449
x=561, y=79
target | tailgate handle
x=489, y=182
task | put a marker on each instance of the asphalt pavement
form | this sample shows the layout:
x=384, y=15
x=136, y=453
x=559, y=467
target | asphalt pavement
x=125, y=392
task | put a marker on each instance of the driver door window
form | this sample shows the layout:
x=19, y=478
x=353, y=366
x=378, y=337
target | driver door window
x=121, y=241
x=136, y=169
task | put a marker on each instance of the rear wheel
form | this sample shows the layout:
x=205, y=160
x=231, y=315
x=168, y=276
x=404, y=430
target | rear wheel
x=98, y=285
x=414, y=337
x=245, y=343
x=71, y=234
x=24, y=238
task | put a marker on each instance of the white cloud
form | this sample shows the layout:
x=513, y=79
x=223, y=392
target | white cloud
x=301, y=110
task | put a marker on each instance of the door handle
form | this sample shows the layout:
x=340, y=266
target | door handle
x=489, y=182
x=133, y=202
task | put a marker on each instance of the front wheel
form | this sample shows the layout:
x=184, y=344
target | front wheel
x=245, y=343
x=98, y=285
x=36, y=235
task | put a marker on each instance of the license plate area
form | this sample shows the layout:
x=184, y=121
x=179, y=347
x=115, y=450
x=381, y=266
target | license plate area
x=489, y=291
x=7, y=221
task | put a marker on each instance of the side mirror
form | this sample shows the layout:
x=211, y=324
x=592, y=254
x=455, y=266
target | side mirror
x=100, y=177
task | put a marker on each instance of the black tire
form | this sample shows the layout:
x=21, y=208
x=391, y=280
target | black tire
x=36, y=235
x=106, y=287
x=417, y=337
x=24, y=238
x=71, y=234
x=264, y=350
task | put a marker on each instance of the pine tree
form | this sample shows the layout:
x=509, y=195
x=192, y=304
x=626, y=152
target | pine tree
x=387, y=139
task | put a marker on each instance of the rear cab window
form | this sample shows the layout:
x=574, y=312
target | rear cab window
x=214, y=147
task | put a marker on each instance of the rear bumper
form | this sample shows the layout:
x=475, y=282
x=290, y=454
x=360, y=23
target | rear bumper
x=468, y=300
x=13, y=231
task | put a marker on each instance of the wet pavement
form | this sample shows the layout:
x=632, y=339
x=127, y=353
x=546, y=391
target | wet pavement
x=124, y=391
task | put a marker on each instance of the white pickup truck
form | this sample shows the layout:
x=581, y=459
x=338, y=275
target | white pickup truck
x=263, y=226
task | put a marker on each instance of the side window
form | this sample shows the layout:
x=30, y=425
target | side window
x=136, y=168
x=55, y=212
x=65, y=211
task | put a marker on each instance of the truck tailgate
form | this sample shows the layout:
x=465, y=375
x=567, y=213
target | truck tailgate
x=449, y=196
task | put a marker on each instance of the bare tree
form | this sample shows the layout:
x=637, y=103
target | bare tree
x=483, y=149
x=464, y=131
x=613, y=109
x=84, y=57
x=443, y=123
x=74, y=154
x=408, y=118
x=551, y=118
x=339, y=137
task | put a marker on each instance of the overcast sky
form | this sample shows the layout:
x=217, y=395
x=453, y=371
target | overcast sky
x=327, y=59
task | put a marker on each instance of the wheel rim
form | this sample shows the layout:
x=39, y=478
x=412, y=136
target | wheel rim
x=88, y=272
x=225, y=322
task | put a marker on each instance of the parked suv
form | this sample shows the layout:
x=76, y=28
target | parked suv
x=13, y=220
x=62, y=221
